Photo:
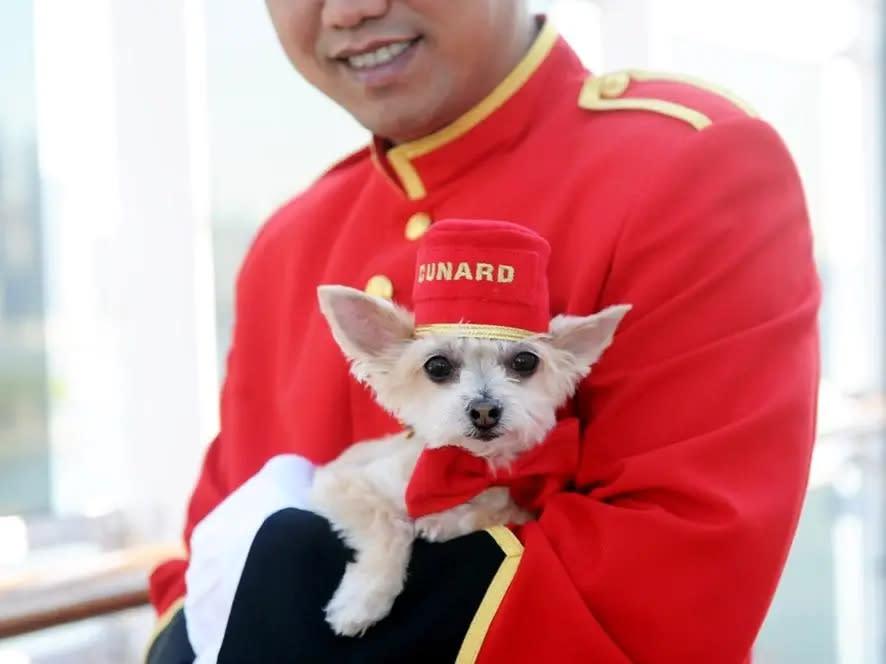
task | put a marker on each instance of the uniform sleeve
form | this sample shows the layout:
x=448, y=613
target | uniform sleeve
x=699, y=425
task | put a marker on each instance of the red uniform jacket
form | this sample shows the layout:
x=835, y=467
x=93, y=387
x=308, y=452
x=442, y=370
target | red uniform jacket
x=697, y=424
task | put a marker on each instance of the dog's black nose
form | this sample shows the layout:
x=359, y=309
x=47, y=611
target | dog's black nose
x=485, y=413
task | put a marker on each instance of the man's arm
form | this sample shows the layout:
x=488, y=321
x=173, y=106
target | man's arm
x=700, y=425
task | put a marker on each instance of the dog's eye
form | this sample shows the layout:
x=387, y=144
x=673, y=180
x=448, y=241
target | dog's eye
x=438, y=368
x=525, y=363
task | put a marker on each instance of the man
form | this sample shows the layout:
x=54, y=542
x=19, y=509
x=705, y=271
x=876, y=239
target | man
x=696, y=426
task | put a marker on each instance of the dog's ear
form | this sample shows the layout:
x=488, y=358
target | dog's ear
x=366, y=327
x=586, y=337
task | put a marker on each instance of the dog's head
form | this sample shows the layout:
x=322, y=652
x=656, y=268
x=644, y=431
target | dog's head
x=493, y=398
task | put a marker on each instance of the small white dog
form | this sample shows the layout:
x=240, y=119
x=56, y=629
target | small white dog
x=495, y=399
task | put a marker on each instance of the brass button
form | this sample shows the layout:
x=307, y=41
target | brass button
x=417, y=225
x=381, y=286
x=614, y=85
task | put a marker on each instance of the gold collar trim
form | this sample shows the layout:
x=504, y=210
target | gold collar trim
x=401, y=156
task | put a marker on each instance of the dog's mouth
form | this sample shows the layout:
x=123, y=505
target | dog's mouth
x=485, y=435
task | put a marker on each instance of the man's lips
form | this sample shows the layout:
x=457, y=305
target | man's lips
x=382, y=66
x=347, y=51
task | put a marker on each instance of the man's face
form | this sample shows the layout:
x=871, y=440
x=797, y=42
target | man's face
x=403, y=68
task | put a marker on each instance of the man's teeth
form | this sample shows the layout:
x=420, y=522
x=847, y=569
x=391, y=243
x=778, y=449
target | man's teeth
x=379, y=56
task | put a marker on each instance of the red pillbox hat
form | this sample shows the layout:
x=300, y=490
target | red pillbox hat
x=479, y=278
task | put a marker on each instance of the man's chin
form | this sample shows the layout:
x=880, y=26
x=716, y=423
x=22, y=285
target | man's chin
x=397, y=116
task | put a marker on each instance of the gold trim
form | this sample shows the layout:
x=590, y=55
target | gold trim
x=162, y=623
x=728, y=95
x=476, y=331
x=400, y=156
x=614, y=85
x=495, y=593
x=603, y=93
x=380, y=286
x=592, y=98
x=418, y=225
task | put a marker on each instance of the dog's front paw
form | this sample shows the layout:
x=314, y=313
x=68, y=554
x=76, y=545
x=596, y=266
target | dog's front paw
x=443, y=526
x=359, y=602
x=347, y=617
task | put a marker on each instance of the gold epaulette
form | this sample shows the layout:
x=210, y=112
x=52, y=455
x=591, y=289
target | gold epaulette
x=605, y=93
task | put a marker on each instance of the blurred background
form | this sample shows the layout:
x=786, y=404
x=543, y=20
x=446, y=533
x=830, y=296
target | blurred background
x=141, y=146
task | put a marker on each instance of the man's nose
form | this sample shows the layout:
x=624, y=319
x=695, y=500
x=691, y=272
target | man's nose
x=345, y=14
x=484, y=413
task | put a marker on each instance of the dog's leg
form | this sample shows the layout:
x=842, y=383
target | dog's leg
x=381, y=535
x=493, y=507
x=372, y=582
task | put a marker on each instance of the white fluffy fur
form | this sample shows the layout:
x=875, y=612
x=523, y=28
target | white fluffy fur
x=362, y=492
